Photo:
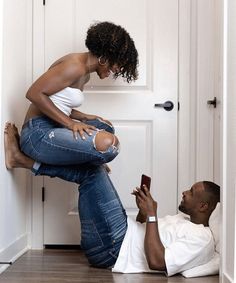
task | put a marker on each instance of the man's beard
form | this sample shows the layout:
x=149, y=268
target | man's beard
x=182, y=208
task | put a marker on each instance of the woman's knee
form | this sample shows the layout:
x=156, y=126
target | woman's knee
x=102, y=125
x=107, y=126
x=103, y=140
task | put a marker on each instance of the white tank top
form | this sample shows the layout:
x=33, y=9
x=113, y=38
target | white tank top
x=67, y=99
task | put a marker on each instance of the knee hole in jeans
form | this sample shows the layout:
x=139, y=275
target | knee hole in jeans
x=103, y=140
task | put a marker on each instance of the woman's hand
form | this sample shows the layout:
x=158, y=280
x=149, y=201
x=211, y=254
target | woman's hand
x=81, y=128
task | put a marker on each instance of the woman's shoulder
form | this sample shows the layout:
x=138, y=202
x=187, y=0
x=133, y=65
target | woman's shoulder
x=72, y=62
x=71, y=58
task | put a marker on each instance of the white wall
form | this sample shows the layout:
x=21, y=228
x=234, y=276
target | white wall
x=15, y=76
x=229, y=143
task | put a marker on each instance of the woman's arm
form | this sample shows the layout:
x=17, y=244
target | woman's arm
x=78, y=115
x=75, y=114
x=54, y=80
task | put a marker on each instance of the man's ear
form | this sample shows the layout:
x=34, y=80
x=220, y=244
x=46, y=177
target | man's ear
x=204, y=206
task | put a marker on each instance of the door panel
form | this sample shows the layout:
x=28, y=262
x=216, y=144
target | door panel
x=148, y=135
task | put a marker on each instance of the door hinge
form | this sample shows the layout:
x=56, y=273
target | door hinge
x=43, y=194
x=212, y=102
x=44, y=2
x=178, y=105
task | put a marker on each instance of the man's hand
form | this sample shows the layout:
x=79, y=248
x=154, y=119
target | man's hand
x=146, y=204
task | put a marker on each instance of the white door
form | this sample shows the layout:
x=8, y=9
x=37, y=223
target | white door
x=148, y=134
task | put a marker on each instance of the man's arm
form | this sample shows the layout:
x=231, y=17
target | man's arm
x=154, y=249
x=140, y=217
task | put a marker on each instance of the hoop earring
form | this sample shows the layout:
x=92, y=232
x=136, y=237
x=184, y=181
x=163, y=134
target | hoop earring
x=100, y=62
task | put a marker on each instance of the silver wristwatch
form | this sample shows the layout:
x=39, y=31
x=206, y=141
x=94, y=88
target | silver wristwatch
x=151, y=219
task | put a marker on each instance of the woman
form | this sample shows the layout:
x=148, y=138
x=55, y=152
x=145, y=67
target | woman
x=53, y=131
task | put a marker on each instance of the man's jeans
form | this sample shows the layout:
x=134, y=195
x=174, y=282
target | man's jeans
x=47, y=142
x=103, y=218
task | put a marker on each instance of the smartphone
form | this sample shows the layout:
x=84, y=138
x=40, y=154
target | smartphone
x=145, y=180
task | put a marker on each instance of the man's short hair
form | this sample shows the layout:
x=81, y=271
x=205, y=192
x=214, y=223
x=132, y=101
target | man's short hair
x=213, y=192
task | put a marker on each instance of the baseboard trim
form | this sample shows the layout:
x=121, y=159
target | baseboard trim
x=226, y=278
x=13, y=251
x=3, y=267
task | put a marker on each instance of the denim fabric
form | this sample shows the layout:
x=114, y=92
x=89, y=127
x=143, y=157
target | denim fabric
x=46, y=141
x=103, y=218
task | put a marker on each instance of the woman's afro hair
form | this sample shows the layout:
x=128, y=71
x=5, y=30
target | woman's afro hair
x=105, y=39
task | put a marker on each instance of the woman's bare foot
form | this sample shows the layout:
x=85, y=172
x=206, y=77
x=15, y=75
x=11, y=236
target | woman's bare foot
x=14, y=158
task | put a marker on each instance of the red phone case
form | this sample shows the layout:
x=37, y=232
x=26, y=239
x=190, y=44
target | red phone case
x=145, y=180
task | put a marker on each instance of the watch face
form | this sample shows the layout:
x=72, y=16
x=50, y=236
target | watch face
x=151, y=219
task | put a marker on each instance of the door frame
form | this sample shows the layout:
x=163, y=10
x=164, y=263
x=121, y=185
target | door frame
x=228, y=149
x=190, y=15
x=199, y=159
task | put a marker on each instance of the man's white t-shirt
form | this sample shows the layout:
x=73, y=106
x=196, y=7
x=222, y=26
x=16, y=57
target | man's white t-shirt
x=186, y=245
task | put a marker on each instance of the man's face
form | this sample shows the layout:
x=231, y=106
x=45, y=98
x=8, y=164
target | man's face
x=192, y=198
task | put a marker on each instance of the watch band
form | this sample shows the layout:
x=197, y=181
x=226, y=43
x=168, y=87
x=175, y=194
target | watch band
x=151, y=219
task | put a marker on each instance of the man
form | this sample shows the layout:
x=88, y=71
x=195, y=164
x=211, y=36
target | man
x=173, y=243
x=110, y=239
